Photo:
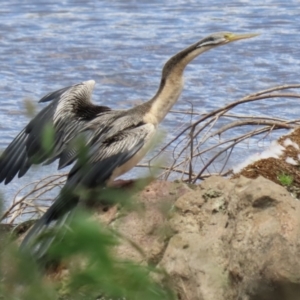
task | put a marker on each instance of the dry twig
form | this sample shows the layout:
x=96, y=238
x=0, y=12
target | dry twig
x=195, y=148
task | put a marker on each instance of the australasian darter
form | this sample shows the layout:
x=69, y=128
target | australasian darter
x=116, y=139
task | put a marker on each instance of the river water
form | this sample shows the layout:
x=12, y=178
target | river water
x=122, y=45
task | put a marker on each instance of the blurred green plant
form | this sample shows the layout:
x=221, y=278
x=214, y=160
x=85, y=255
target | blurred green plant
x=86, y=250
x=96, y=270
x=30, y=107
x=48, y=139
x=285, y=179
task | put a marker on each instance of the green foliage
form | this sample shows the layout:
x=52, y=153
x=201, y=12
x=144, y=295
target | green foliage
x=87, y=249
x=48, y=138
x=97, y=271
x=84, y=248
x=29, y=108
x=20, y=277
x=285, y=179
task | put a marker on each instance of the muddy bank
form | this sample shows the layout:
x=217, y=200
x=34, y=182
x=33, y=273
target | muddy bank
x=235, y=238
x=223, y=239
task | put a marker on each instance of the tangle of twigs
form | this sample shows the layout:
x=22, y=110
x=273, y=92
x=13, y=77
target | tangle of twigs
x=199, y=150
x=32, y=198
x=195, y=149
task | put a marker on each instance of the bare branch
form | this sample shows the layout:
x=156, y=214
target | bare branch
x=194, y=152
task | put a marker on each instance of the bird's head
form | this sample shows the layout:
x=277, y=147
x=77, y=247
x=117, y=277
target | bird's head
x=222, y=38
x=181, y=59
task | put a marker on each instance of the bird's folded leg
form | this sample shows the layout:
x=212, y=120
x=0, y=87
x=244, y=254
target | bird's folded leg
x=135, y=184
x=121, y=183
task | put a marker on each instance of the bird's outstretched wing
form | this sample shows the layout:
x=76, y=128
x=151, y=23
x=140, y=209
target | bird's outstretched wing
x=107, y=158
x=69, y=109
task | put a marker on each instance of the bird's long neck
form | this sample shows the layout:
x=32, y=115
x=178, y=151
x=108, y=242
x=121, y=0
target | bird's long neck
x=171, y=84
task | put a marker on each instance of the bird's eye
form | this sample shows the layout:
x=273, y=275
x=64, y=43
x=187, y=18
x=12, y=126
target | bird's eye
x=210, y=39
x=207, y=41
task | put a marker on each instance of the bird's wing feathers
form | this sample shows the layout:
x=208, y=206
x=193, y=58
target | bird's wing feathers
x=95, y=129
x=108, y=154
x=68, y=111
x=104, y=157
x=55, y=95
x=100, y=128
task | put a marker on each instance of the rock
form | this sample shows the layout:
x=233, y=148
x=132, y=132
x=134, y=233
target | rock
x=226, y=239
x=242, y=243
x=148, y=228
x=236, y=239
x=264, y=253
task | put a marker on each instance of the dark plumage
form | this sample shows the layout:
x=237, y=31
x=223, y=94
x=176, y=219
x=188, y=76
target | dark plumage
x=69, y=110
x=116, y=140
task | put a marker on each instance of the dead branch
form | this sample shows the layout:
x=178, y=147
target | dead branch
x=194, y=151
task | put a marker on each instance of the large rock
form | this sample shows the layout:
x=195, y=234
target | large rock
x=227, y=239
x=236, y=239
x=148, y=228
x=223, y=240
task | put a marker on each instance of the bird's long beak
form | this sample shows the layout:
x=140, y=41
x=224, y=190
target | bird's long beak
x=234, y=37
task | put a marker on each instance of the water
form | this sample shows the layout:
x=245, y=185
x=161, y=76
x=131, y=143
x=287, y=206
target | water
x=123, y=45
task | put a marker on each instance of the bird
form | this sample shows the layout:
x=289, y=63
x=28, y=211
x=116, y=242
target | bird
x=116, y=140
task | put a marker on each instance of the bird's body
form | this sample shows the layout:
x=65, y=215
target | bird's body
x=116, y=140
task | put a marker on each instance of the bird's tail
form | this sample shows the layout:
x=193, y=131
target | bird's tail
x=41, y=236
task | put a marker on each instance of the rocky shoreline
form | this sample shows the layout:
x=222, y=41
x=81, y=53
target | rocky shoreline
x=223, y=239
x=226, y=238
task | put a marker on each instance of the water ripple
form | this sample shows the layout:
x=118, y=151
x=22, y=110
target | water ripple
x=124, y=44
